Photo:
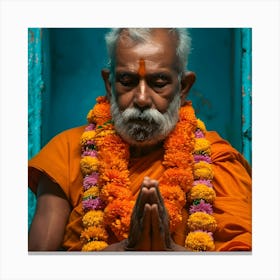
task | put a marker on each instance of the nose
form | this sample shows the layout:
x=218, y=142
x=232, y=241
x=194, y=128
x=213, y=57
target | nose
x=142, y=97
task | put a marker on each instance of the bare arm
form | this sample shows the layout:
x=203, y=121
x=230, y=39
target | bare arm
x=52, y=212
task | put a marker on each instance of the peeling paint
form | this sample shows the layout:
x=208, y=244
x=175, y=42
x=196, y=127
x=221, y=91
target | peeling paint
x=247, y=93
x=35, y=89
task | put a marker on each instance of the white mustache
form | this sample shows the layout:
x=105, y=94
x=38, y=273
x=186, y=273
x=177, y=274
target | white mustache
x=149, y=115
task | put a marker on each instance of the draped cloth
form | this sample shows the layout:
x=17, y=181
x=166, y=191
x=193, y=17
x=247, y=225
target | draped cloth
x=60, y=160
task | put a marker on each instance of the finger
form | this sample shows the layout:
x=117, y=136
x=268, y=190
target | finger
x=149, y=183
x=146, y=223
x=162, y=210
x=144, y=241
x=158, y=237
x=154, y=197
x=142, y=199
x=143, y=196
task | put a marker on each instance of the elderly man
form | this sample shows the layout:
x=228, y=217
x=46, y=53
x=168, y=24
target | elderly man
x=144, y=174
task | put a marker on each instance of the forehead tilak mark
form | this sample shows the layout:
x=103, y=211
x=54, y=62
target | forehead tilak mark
x=142, y=68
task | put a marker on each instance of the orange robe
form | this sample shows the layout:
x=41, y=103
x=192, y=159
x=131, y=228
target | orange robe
x=60, y=160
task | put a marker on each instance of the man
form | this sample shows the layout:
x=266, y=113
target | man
x=144, y=175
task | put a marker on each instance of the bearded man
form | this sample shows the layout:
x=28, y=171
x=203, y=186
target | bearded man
x=144, y=174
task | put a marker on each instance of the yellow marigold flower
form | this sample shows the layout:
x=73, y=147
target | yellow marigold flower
x=203, y=170
x=202, y=145
x=202, y=221
x=89, y=164
x=104, y=133
x=87, y=136
x=199, y=241
x=93, y=218
x=201, y=125
x=202, y=191
x=94, y=233
x=94, y=246
x=91, y=192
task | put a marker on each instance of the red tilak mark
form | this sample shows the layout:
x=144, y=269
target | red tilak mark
x=142, y=69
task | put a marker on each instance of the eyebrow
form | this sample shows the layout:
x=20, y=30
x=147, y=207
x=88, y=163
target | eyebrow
x=134, y=73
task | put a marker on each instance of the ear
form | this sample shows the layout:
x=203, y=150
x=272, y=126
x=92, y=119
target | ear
x=187, y=80
x=105, y=73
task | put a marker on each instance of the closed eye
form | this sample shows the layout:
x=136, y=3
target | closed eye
x=159, y=80
x=127, y=79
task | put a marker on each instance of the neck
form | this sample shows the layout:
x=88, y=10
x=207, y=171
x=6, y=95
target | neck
x=139, y=151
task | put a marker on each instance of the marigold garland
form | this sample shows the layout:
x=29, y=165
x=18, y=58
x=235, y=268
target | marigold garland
x=108, y=201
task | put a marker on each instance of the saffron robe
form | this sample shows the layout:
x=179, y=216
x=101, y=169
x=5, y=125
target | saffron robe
x=60, y=160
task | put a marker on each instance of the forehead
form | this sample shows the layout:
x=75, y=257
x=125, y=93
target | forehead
x=159, y=50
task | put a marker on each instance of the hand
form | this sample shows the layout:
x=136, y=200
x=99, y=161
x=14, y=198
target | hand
x=149, y=227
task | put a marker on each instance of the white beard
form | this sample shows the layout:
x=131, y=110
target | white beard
x=145, y=128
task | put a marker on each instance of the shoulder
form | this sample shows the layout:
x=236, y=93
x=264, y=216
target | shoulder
x=70, y=134
x=63, y=152
x=222, y=150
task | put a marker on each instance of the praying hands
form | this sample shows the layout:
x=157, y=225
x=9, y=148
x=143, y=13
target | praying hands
x=149, y=227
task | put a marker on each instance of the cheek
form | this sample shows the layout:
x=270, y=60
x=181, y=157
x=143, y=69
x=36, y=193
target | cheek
x=162, y=103
x=125, y=101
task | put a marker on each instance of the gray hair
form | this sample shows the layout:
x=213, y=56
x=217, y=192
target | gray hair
x=143, y=35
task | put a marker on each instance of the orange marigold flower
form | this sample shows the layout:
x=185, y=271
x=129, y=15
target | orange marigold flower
x=112, y=163
x=114, y=175
x=202, y=191
x=173, y=194
x=99, y=114
x=113, y=144
x=178, y=159
x=178, y=176
x=187, y=114
x=101, y=99
x=203, y=170
x=199, y=241
x=181, y=137
x=93, y=218
x=175, y=215
x=117, y=217
x=88, y=165
x=202, y=146
x=115, y=191
x=176, y=141
x=94, y=233
x=94, y=246
x=202, y=221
